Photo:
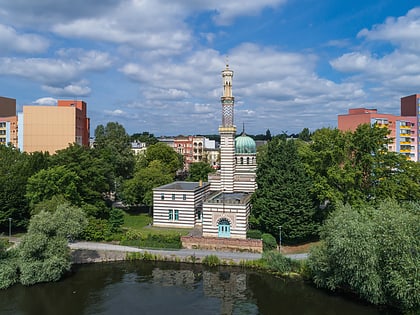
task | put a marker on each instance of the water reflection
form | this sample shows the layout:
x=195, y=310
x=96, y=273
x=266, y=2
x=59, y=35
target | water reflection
x=166, y=288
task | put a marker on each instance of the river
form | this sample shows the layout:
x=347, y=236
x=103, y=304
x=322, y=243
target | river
x=171, y=288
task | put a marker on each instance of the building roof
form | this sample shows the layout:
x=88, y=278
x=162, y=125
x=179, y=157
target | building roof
x=245, y=144
x=183, y=186
x=229, y=198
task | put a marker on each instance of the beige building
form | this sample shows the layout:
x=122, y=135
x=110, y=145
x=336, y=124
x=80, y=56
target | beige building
x=53, y=128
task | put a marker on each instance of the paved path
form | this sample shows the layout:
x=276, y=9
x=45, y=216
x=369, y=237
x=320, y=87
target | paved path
x=181, y=253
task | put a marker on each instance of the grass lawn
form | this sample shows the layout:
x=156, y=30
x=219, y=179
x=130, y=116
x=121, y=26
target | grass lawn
x=142, y=222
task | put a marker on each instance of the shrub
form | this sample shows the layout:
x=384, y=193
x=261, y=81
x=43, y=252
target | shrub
x=269, y=242
x=8, y=272
x=277, y=262
x=96, y=230
x=254, y=234
x=211, y=260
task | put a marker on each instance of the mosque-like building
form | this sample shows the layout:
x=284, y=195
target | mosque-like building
x=221, y=206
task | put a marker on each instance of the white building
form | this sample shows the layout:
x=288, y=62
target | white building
x=225, y=200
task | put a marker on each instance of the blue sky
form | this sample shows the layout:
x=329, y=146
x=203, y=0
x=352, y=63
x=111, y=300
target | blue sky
x=154, y=65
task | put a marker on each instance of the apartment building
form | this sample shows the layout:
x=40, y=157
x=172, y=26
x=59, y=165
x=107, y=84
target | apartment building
x=8, y=121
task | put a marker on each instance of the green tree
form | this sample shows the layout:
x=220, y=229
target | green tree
x=199, y=171
x=114, y=146
x=305, y=135
x=145, y=137
x=44, y=254
x=15, y=169
x=92, y=171
x=355, y=167
x=169, y=159
x=56, y=180
x=139, y=189
x=373, y=251
x=283, y=196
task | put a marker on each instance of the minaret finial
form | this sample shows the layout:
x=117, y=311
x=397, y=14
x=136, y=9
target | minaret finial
x=227, y=61
x=243, y=128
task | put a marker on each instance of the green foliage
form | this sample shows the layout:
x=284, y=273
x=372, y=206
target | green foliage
x=9, y=271
x=138, y=190
x=254, y=234
x=199, y=171
x=305, y=135
x=277, y=262
x=373, y=251
x=96, y=230
x=15, y=169
x=283, y=196
x=269, y=242
x=116, y=219
x=91, y=168
x=114, y=146
x=355, y=167
x=145, y=137
x=211, y=261
x=53, y=181
x=49, y=205
x=170, y=160
x=43, y=252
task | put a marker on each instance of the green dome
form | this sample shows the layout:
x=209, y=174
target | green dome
x=245, y=145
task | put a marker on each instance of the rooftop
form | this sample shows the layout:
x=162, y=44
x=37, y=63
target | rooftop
x=182, y=186
x=229, y=198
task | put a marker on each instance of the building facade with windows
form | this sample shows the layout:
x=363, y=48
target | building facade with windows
x=403, y=129
x=225, y=199
x=8, y=121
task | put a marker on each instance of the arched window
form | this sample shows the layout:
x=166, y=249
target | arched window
x=247, y=160
x=242, y=160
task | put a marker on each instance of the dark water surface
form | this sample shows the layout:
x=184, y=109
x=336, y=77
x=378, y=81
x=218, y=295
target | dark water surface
x=167, y=288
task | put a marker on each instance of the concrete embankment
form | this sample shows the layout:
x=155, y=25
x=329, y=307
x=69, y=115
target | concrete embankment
x=89, y=252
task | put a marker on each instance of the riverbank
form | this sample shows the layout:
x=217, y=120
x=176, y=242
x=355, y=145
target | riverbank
x=90, y=252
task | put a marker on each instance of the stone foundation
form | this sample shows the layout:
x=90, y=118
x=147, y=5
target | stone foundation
x=222, y=244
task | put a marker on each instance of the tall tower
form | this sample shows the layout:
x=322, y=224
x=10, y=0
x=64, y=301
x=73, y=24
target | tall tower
x=227, y=134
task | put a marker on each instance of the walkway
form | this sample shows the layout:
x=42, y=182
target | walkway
x=181, y=253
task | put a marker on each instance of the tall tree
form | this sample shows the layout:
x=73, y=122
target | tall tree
x=283, y=196
x=355, y=167
x=114, y=146
x=90, y=168
x=15, y=169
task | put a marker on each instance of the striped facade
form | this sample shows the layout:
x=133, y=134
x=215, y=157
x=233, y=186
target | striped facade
x=233, y=207
x=227, y=157
x=179, y=204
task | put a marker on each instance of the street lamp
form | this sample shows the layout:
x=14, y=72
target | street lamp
x=279, y=238
x=10, y=227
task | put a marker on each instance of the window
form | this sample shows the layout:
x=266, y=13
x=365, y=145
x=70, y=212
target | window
x=170, y=214
x=173, y=196
x=162, y=196
x=184, y=197
x=176, y=216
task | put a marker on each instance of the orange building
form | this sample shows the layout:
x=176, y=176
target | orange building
x=8, y=121
x=403, y=129
x=52, y=128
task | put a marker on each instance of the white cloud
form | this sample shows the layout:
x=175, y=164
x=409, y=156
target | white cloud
x=46, y=101
x=404, y=30
x=73, y=89
x=11, y=41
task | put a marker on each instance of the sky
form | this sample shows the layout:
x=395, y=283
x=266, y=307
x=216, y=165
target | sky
x=155, y=65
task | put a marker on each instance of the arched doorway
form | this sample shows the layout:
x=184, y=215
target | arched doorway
x=224, y=228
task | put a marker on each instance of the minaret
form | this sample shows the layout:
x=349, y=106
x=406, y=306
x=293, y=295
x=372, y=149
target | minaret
x=227, y=134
